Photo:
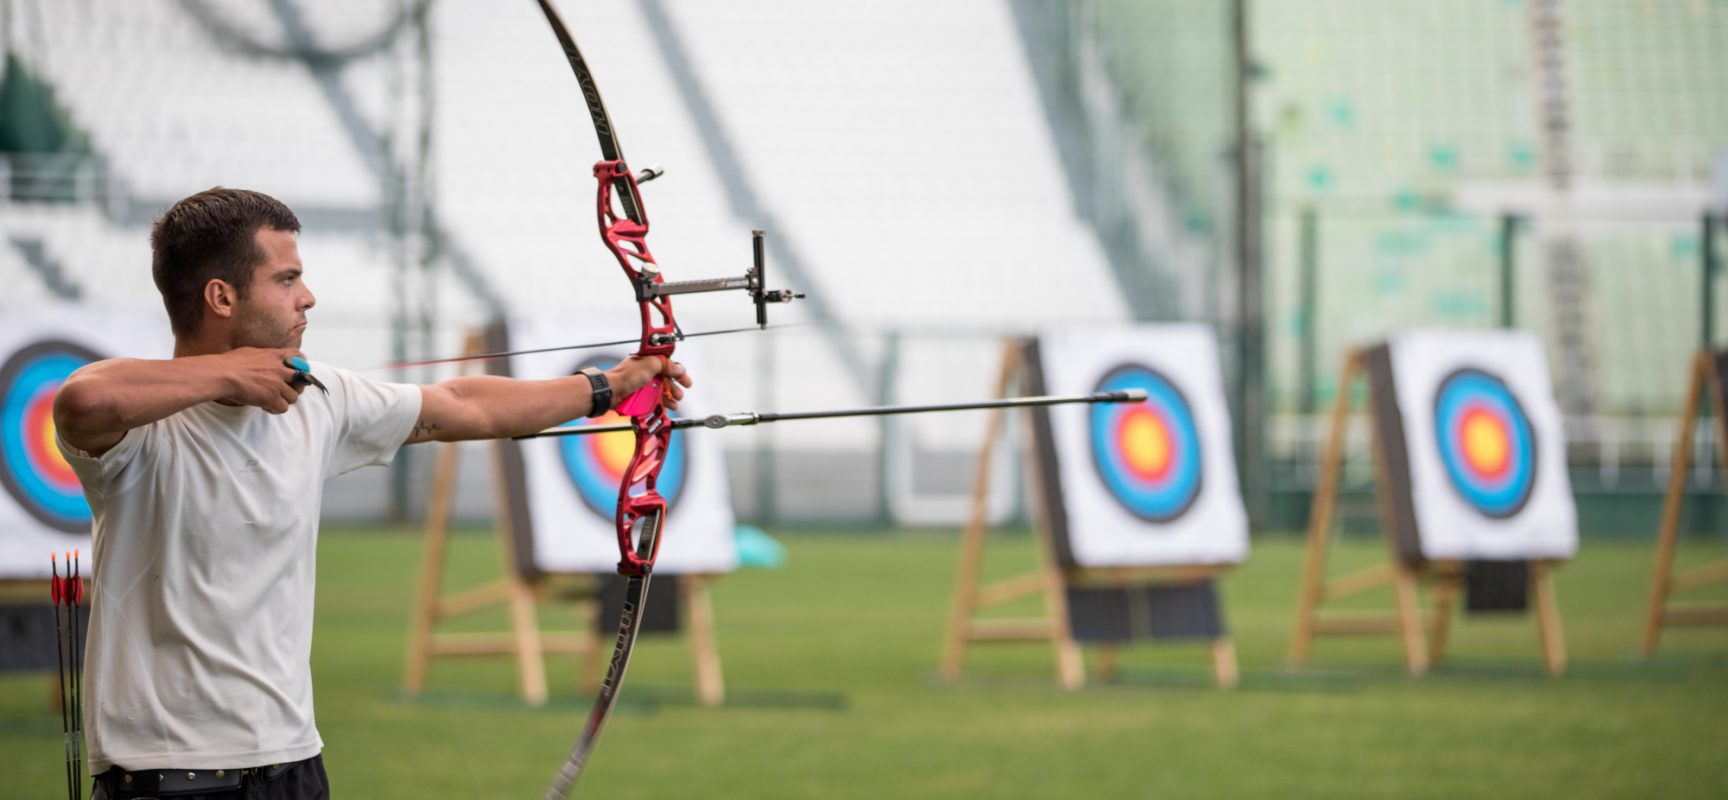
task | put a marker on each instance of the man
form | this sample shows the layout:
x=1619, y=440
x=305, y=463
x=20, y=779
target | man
x=205, y=473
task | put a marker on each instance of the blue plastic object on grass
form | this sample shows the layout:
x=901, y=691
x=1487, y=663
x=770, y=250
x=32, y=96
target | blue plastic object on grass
x=757, y=549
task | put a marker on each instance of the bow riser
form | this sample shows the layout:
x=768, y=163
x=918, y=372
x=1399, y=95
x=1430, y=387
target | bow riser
x=626, y=236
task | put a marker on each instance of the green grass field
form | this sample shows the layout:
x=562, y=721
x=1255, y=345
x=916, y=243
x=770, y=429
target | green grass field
x=831, y=664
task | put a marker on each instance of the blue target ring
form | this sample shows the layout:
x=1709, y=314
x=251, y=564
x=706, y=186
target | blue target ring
x=31, y=467
x=1485, y=441
x=596, y=463
x=1148, y=455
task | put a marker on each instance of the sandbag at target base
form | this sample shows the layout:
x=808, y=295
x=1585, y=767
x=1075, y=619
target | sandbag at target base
x=1471, y=486
x=1709, y=375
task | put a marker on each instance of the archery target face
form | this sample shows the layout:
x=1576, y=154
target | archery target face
x=42, y=506
x=1151, y=483
x=1485, y=445
x=1148, y=455
x=573, y=481
x=1485, y=442
x=32, y=470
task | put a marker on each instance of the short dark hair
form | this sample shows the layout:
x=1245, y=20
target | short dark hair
x=210, y=235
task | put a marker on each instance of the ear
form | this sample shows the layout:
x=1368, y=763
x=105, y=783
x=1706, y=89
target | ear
x=220, y=298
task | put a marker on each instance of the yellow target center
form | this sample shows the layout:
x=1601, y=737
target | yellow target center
x=1485, y=443
x=55, y=457
x=1146, y=444
x=614, y=449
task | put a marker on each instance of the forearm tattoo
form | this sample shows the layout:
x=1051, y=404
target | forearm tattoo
x=424, y=428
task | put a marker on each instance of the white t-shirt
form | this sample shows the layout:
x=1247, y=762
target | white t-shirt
x=206, y=526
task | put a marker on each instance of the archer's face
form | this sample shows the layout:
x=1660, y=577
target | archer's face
x=274, y=311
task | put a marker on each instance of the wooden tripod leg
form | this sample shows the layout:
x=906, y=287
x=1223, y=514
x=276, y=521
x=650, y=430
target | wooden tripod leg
x=965, y=601
x=1404, y=585
x=1662, y=575
x=1070, y=666
x=1320, y=517
x=1451, y=576
x=426, y=611
x=518, y=596
x=699, y=610
x=1548, y=617
x=1224, y=669
x=1409, y=617
x=1070, y=662
x=525, y=629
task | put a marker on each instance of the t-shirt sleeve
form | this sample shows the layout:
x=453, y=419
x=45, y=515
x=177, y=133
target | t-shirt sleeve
x=99, y=473
x=373, y=418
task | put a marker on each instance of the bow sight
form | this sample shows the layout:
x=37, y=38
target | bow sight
x=754, y=282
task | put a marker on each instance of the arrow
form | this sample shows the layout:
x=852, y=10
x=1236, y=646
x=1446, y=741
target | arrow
x=716, y=421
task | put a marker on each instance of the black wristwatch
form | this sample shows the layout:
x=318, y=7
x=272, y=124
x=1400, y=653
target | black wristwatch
x=601, y=399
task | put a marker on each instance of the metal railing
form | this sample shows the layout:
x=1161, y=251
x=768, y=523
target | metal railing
x=70, y=178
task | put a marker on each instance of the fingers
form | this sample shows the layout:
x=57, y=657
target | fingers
x=263, y=378
x=678, y=374
x=674, y=370
x=282, y=393
x=638, y=371
x=672, y=390
x=284, y=398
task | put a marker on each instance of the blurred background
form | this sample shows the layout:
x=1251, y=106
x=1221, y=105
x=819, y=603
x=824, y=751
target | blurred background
x=1304, y=175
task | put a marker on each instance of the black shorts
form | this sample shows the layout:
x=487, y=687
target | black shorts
x=301, y=780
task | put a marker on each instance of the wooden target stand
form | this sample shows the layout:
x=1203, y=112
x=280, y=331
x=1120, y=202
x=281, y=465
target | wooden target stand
x=1424, y=640
x=1049, y=579
x=521, y=596
x=1708, y=371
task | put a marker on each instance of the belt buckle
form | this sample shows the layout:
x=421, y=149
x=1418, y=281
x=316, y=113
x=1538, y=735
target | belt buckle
x=268, y=772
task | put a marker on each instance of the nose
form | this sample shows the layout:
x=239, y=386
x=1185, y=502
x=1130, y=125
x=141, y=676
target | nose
x=309, y=300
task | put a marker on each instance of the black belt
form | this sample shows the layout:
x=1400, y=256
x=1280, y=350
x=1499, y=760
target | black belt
x=170, y=782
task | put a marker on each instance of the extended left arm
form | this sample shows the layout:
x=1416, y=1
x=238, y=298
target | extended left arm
x=492, y=407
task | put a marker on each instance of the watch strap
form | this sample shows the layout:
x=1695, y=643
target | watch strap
x=601, y=398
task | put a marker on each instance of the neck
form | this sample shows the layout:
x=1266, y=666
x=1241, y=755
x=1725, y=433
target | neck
x=204, y=343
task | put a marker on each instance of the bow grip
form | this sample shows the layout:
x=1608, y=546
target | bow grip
x=642, y=400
